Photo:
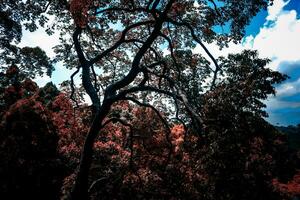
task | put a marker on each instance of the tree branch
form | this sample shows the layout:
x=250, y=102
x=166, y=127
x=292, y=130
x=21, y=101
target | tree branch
x=73, y=88
x=172, y=53
x=167, y=127
x=86, y=78
x=136, y=61
x=217, y=67
x=119, y=42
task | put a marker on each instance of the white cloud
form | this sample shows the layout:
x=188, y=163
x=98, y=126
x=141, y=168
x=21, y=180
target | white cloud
x=216, y=51
x=280, y=41
x=289, y=89
x=276, y=9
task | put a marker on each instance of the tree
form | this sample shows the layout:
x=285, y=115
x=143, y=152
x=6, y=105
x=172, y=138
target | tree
x=125, y=38
x=30, y=166
x=124, y=42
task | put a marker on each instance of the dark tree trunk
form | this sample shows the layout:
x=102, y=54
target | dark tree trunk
x=81, y=186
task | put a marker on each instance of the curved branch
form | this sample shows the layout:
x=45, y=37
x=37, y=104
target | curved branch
x=164, y=121
x=145, y=79
x=123, y=93
x=216, y=7
x=86, y=78
x=180, y=96
x=73, y=88
x=217, y=67
x=77, y=45
x=155, y=4
x=190, y=110
x=96, y=182
x=95, y=79
x=129, y=78
x=129, y=10
x=115, y=119
x=46, y=7
x=142, y=42
x=119, y=42
x=172, y=53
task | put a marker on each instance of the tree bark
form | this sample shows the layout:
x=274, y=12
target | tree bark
x=80, y=189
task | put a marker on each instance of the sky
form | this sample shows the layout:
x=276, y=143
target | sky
x=274, y=33
x=278, y=38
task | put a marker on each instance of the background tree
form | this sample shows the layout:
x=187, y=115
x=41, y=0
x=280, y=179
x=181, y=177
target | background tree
x=30, y=165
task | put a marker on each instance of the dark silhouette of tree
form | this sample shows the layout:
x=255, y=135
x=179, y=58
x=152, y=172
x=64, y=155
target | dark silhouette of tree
x=30, y=166
x=132, y=48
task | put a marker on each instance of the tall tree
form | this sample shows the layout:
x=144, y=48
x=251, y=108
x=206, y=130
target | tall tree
x=125, y=41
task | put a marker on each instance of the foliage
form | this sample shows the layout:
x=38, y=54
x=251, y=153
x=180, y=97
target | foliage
x=30, y=165
x=291, y=188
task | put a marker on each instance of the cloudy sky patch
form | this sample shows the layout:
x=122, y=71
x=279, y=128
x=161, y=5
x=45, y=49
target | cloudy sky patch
x=277, y=38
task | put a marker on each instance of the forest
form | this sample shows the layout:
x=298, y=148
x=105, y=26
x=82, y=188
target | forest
x=142, y=116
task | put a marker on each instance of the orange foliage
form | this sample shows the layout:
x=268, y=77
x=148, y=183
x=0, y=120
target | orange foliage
x=291, y=188
x=177, y=137
x=70, y=125
x=115, y=144
x=79, y=10
x=179, y=7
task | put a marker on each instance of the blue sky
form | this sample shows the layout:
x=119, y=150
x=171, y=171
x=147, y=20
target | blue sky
x=275, y=33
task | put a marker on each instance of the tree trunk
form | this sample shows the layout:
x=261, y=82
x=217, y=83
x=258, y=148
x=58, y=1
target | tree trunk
x=80, y=188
